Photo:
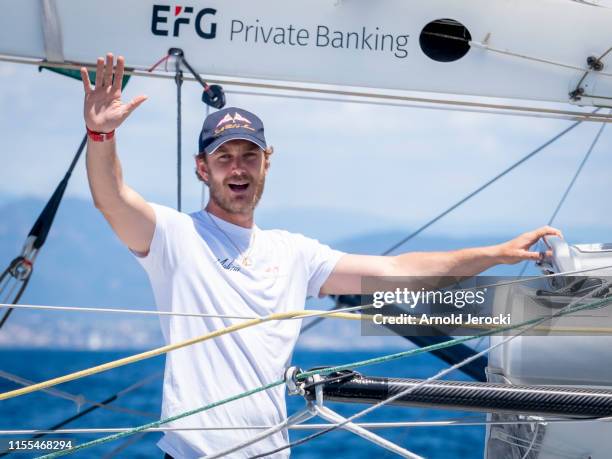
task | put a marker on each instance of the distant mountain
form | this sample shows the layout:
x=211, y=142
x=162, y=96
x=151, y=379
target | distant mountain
x=6, y=197
x=325, y=224
x=84, y=264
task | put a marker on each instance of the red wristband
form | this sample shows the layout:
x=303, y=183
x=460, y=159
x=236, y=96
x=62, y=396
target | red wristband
x=100, y=136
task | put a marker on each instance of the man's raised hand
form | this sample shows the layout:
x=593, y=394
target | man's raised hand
x=103, y=110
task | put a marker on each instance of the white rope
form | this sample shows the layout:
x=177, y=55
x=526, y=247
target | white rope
x=523, y=443
x=124, y=311
x=566, y=117
x=552, y=451
x=382, y=97
x=533, y=440
x=313, y=315
x=535, y=59
x=487, y=47
x=309, y=426
x=307, y=315
x=519, y=443
x=448, y=370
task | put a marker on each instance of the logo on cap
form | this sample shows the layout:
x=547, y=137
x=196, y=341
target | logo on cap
x=232, y=122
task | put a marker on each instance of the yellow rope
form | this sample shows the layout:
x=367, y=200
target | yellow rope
x=249, y=323
x=171, y=347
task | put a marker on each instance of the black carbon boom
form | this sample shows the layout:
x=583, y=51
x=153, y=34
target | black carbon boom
x=565, y=401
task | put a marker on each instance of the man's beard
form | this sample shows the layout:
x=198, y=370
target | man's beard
x=221, y=196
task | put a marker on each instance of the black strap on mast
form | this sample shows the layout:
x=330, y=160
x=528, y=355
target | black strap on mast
x=19, y=271
x=212, y=96
x=178, y=79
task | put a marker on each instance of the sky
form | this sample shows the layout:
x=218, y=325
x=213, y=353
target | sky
x=395, y=166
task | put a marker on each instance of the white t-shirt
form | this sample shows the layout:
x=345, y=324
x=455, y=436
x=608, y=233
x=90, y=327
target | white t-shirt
x=195, y=267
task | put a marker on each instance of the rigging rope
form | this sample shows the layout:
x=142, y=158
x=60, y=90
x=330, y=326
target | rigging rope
x=164, y=349
x=162, y=421
x=505, y=52
x=22, y=266
x=464, y=350
x=103, y=404
x=570, y=185
x=573, y=181
x=311, y=312
x=213, y=96
x=125, y=311
x=453, y=422
x=178, y=79
x=335, y=92
x=336, y=314
x=482, y=187
x=567, y=117
x=463, y=201
x=533, y=440
x=325, y=371
x=593, y=63
x=529, y=324
x=78, y=400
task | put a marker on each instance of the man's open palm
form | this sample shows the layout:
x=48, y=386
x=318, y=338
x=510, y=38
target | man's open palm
x=104, y=110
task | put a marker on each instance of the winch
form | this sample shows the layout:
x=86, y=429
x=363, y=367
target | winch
x=573, y=274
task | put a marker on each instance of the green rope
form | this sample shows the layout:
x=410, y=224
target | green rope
x=126, y=433
x=434, y=347
x=324, y=371
x=387, y=358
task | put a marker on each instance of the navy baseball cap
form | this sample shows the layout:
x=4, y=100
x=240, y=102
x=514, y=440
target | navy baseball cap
x=230, y=124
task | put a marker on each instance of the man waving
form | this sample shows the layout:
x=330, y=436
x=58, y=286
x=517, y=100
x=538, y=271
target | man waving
x=217, y=261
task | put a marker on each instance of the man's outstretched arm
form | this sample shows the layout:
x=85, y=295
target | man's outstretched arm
x=350, y=269
x=132, y=219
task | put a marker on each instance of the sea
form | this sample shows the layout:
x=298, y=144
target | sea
x=141, y=405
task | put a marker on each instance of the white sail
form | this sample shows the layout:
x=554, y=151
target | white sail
x=507, y=48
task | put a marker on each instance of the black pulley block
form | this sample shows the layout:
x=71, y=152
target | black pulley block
x=214, y=96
